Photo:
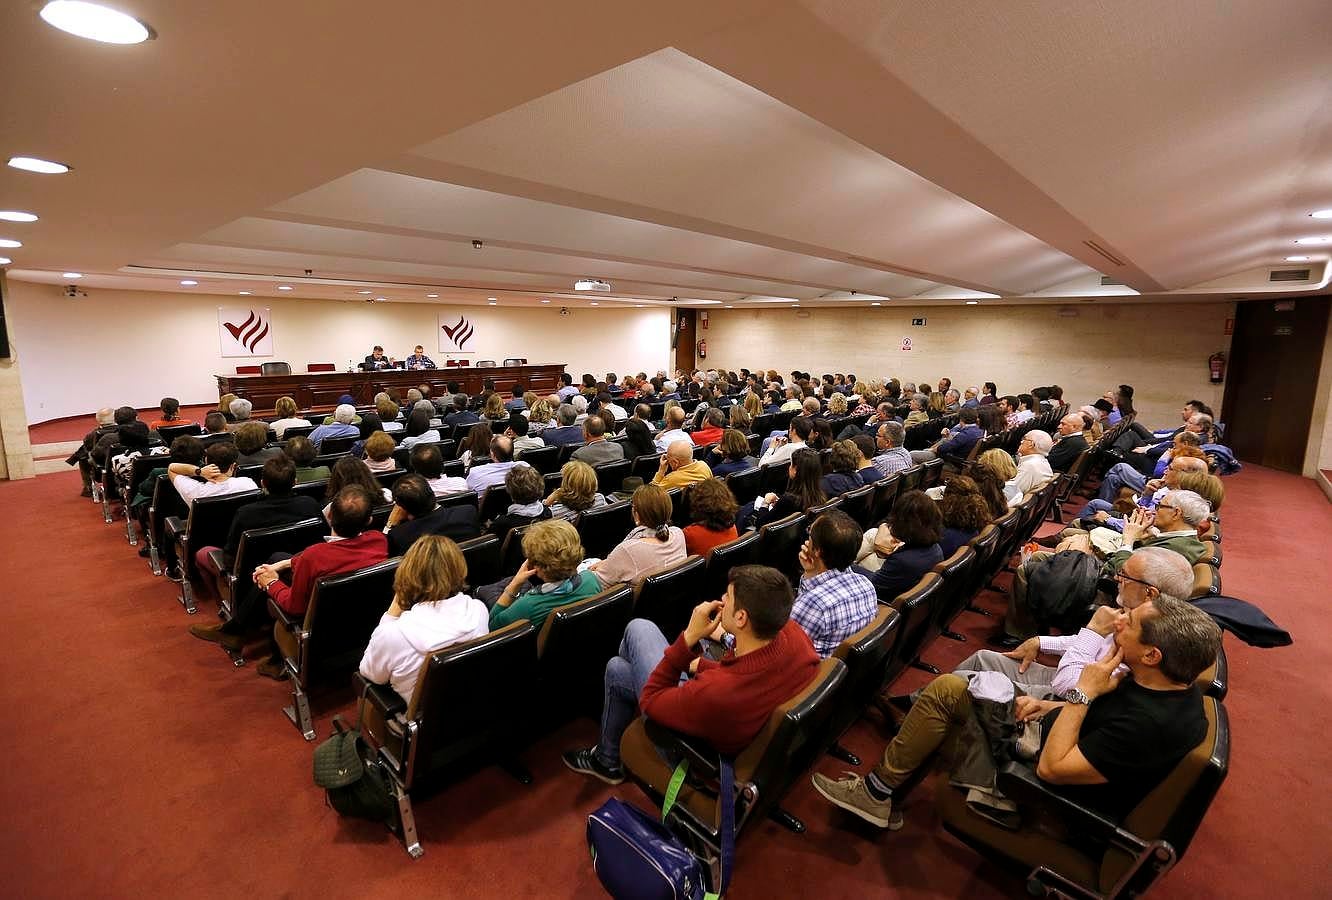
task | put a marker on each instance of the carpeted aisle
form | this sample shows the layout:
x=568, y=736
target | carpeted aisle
x=141, y=762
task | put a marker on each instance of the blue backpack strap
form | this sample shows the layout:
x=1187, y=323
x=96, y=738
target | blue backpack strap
x=727, y=798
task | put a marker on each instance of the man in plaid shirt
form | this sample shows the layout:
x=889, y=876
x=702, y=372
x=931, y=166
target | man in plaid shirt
x=893, y=457
x=833, y=602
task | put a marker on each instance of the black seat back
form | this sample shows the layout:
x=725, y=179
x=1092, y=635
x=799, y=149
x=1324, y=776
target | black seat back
x=511, y=551
x=312, y=489
x=885, y=495
x=453, y=717
x=956, y=592
x=496, y=502
x=544, y=459
x=258, y=545
x=917, y=609
x=603, y=527
x=779, y=544
x=482, y=555
x=866, y=655
x=575, y=643
x=933, y=474
x=667, y=598
x=773, y=478
x=742, y=551
x=858, y=504
x=337, y=444
x=169, y=433
x=745, y=484
x=209, y=523
x=343, y=611
x=611, y=475
x=911, y=479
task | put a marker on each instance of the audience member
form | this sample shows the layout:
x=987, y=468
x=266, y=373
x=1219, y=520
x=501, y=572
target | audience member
x=549, y=577
x=287, y=417
x=379, y=449
x=727, y=702
x=965, y=513
x=416, y=512
x=1033, y=470
x=519, y=431
x=672, y=428
x=1069, y=445
x=892, y=456
x=832, y=601
x=678, y=466
x=712, y=510
x=251, y=444
x=215, y=479
x=783, y=446
x=652, y=545
x=170, y=407
x=460, y=415
x=303, y=453
x=567, y=432
x=843, y=474
x=895, y=557
x=577, y=491
x=804, y=490
x=481, y=477
x=732, y=454
x=525, y=486
x=344, y=425
x=596, y=449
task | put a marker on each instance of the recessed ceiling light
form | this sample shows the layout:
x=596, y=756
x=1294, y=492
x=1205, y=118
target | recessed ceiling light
x=95, y=22
x=432, y=296
x=71, y=274
x=545, y=301
x=1314, y=240
x=40, y=166
x=381, y=299
x=245, y=293
x=972, y=302
x=13, y=245
x=5, y=260
x=729, y=306
x=365, y=292
x=876, y=303
x=639, y=305
x=493, y=302
x=10, y=215
x=285, y=287
x=595, y=303
x=491, y=299
x=189, y=282
x=1322, y=213
x=1297, y=258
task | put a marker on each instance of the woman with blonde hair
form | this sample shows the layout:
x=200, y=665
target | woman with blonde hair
x=577, y=491
x=837, y=405
x=740, y=419
x=429, y=612
x=494, y=409
x=654, y=543
x=1000, y=465
x=224, y=406
x=551, y=576
x=753, y=404
x=287, y=417
x=538, y=417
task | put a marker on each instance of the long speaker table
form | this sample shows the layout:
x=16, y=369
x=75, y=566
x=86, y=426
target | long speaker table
x=313, y=390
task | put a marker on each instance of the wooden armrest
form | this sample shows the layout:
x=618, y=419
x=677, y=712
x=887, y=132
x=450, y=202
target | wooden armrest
x=703, y=759
x=1019, y=783
x=284, y=618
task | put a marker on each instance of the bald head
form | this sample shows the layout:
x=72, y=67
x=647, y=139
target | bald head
x=1036, y=442
x=680, y=453
x=1070, y=424
x=1180, y=466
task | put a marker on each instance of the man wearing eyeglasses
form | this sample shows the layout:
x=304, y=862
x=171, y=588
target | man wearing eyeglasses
x=1149, y=573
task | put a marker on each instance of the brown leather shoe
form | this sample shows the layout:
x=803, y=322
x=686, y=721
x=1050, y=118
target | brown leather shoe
x=215, y=634
x=270, y=669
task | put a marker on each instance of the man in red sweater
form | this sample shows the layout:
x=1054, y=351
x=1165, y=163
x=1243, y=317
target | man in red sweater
x=354, y=545
x=726, y=702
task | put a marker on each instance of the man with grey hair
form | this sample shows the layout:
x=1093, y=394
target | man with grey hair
x=579, y=403
x=971, y=397
x=669, y=391
x=1174, y=525
x=460, y=414
x=952, y=400
x=1033, y=469
x=341, y=425
x=1149, y=573
x=893, y=457
x=1102, y=512
x=673, y=429
x=482, y=478
x=566, y=432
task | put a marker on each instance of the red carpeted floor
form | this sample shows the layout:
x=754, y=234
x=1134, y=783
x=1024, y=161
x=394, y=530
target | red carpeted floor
x=140, y=762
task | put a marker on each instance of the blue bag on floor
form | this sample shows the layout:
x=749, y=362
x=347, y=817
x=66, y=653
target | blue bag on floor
x=638, y=858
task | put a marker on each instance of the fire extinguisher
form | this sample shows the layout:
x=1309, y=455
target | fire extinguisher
x=1216, y=365
x=702, y=349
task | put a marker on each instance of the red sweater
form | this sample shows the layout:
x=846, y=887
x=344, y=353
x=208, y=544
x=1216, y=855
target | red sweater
x=705, y=436
x=729, y=702
x=328, y=558
x=700, y=540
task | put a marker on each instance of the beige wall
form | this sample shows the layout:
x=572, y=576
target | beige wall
x=1318, y=453
x=1160, y=349
x=124, y=347
x=15, y=453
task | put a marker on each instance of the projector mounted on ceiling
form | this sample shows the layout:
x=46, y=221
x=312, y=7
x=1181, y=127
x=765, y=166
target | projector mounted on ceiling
x=592, y=284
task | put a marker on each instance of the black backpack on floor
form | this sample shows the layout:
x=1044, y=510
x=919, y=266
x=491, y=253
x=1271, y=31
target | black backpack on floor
x=1062, y=588
x=352, y=785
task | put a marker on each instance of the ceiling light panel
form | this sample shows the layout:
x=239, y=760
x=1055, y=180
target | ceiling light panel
x=95, y=22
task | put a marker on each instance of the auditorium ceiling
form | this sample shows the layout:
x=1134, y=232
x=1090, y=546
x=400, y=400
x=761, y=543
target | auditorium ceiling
x=710, y=154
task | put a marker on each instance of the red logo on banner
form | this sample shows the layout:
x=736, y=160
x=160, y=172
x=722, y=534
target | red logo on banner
x=461, y=333
x=250, y=332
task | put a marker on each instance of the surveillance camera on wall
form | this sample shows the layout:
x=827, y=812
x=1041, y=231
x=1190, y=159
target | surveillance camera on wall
x=564, y=310
x=73, y=291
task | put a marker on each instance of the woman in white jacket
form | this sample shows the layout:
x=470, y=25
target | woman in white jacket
x=428, y=613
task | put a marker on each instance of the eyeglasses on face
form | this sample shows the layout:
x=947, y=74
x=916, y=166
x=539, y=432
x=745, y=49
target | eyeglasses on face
x=1122, y=578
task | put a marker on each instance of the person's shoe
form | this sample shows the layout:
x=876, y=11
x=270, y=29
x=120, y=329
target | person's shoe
x=850, y=793
x=173, y=574
x=273, y=669
x=1006, y=641
x=215, y=634
x=87, y=492
x=1050, y=540
x=586, y=763
x=145, y=551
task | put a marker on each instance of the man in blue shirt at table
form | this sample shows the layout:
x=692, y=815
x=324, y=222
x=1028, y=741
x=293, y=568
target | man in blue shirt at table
x=418, y=359
x=377, y=360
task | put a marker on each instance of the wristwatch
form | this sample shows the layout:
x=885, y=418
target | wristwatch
x=1076, y=696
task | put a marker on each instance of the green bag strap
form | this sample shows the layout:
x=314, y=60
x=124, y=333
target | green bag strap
x=668, y=801
x=673, y=788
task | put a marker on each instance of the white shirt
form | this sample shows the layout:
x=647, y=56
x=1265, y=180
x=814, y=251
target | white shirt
x=399, y=646
x=666, y=438
x=780, y=452
x=1033, y=471
x=191, y=490
x=445, y=484
x=282, y=425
